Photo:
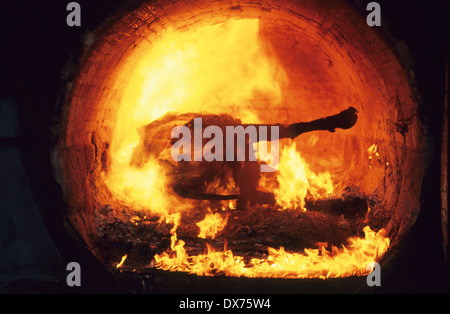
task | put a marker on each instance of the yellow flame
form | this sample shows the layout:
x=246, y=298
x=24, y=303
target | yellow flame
x=296, y=180
x=144, y=188
x=122, y=261
x=216, y=69
x=220, y=68
x=350, y=260
x=211, y=225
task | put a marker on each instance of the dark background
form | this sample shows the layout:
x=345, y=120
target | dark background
x=37, y=44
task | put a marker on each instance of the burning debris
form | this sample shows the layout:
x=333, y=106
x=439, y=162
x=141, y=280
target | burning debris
x=187, y=165
x=328, y=206
x=193, y=175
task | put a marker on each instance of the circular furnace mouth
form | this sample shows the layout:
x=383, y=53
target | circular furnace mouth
x=340, y=198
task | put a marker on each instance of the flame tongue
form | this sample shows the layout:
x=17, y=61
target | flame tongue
x=351, y=260
x=122, y=261
x=211, y=225
x=296, y=180
x=217, y=69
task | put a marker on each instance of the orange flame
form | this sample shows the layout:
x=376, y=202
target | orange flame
x=211, y=225
x=350, y=260
x=296, y=180
x=122, y=261
x=216, y=69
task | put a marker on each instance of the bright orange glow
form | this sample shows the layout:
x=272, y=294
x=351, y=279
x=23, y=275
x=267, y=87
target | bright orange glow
x=211, y=69
x=351, y=260
x=296, y=180
x=144, y=187
x=211, y=225
x=222, y=68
